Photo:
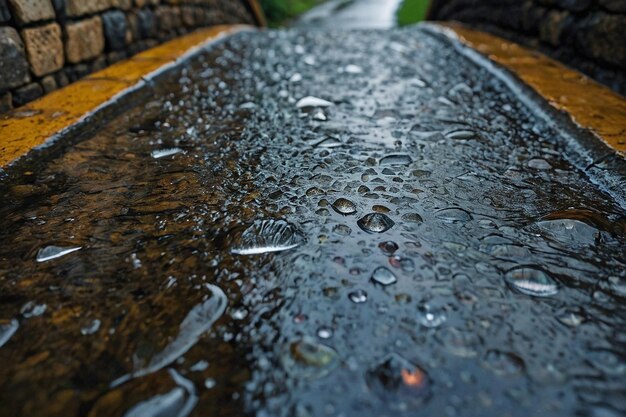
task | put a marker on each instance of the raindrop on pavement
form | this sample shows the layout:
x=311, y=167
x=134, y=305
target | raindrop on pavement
x=353, y=69
x=461, y=134
x=399, y=159
x=309, y=359
x=531, y=281
x=295, y=78
x=540, y=164
x=342, y=230
x=264, y=236
x=30, y=309
x=344, y=206
x=430, y=314
x=324, y=332
x=460, y=342
x=7, y=329
x=52, y=252
x=608, y=361
x=93, y=327
x=568, y=230
x=503, y=363
x=375, y=223
x=383, y=276
x=329, y=143
x=398, y=382
x=358, y=296
x=388, y=247
x=166, y=404
x=453, y=215
x=180, y=401
x=320, y=115
x=570, y=317
x=310, y=101
x=162, y=153
x=196, y=323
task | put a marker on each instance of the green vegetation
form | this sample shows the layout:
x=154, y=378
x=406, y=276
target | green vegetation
x=279, y=12
x=412, y=11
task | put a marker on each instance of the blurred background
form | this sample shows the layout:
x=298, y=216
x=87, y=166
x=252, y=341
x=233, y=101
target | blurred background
x=284, y=12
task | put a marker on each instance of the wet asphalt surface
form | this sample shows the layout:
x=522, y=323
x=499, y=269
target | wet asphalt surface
x=295, y=226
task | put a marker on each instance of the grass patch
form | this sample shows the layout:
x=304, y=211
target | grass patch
x=412, y=11
x=280, y=12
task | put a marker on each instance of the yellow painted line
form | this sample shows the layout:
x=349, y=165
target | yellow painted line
x=34, y=124
x=590, y=105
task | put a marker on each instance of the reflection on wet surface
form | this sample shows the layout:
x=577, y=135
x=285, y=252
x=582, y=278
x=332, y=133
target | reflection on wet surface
x=223, y=251
x=352, y=14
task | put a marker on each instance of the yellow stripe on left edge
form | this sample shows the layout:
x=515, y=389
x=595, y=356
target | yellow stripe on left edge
x=32, y=125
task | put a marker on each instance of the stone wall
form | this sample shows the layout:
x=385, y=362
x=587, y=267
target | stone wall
x=46, y=44
x=589, y=35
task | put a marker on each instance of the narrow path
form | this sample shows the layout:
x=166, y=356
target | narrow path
x=352, y=14
x=308, y=223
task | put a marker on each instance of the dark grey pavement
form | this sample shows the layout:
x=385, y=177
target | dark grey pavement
x=357, y=223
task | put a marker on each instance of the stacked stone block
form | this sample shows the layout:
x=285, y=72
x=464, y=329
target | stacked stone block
x=589, y=35
x=46, y=44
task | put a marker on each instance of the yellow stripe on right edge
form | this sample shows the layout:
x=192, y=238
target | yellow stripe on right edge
x=589, y=104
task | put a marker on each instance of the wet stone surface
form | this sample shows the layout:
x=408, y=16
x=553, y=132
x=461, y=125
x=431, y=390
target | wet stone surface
x=217, y=250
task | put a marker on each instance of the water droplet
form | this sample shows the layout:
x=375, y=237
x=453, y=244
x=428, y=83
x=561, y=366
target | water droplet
x=344, y=206
x=398, y=47
x=398, y=382
x=246, y=106
x=358, y=296
x=453, y=215
x=52, y=252
x=383, y=276
x=531, y=281
x=388, y=247
x=375, y=223
x=295, y=78
x=431, y=314
x=398, y=159
x=540, y=164
x=608, y=361
x=503, y=363
x=412, y=217
x=406, y=264
x=310, y=101
x=324, y=332
x=162, y=153
x=30, y=309
x=460, y=343
x=209, y=383
x=329, y=142
x=461, y=134
x=569, y=231
x=319, y=115
x=173, y=403
x=309, y=359
x=7, y=330
x=264, y=236
x=196, y=323
x=199, y=366
x=93, y=327
x=353, y=69
x=342, y=230
x=239, y=314
x=570, y=317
